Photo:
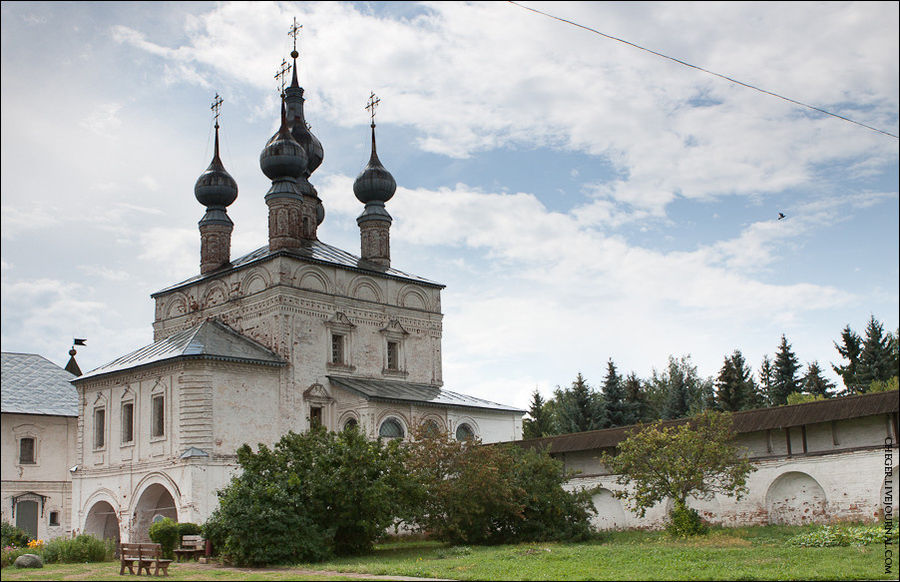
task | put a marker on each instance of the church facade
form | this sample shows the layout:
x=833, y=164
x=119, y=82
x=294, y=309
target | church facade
x=295, y=334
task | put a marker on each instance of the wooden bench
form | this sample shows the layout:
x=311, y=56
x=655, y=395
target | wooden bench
x=144, y=556
x=192, y=546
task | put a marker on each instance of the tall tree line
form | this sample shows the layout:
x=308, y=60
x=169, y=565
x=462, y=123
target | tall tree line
x=871, y=362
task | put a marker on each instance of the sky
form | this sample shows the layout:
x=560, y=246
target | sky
x=581, y=199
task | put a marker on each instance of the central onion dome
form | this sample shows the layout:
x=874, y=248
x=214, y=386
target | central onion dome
x=215, y=186
x=374, y=183
x=283, y=157
x=299, y=129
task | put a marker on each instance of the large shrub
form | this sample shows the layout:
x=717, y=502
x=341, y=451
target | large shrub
x=187, y=528
x=472, y=493
x=13, y=536
x=165, y=532
x=311, y=496
x=80, y=549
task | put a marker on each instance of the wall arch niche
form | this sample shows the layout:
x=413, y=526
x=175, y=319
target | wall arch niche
x=102, y=521
x=795, y=498
x=610, y=514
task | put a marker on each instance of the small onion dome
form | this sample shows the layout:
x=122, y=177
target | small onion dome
x=282, y=157
x=215, y=186
x=374, y=183
x=293, y=96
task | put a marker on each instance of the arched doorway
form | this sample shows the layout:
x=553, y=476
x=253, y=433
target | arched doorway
x=610, y=514
x=154, y=504
x=795, y=498
x=102, y=522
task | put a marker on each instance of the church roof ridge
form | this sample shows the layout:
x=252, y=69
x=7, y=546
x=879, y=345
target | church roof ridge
x=210, y=339
x=32, y=384
x=313, y=251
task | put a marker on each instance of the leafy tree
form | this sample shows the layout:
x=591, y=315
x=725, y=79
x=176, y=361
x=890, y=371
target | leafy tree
x=786, y=367
x=849, y=350
x=636, y=397
x=881, y=386
x=697, y=458
x=735, y=388
x=802, y=397
x=311, y=496
x=619, y=412
x=539, y=424
x=814, y=383
x=492, y=494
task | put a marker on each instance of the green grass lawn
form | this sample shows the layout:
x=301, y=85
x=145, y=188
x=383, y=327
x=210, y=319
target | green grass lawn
x=756, y=553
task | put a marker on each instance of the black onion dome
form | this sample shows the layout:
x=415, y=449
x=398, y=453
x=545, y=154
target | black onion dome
x=374, y=183
x=299, y=129
x=215, y=186
x=283, y=156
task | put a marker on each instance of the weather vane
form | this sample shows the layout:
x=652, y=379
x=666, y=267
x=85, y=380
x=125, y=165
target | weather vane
x=282, y=71
x=216, y=106
x=295, y=32
x=373, y=103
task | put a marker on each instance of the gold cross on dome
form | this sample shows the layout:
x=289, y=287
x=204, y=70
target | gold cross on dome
x=282, y=71
x=216, y=106
x=295, y=32
x=373, y=103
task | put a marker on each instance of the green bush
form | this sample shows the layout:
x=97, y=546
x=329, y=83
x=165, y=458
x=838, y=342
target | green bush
x=310, y=497
x=13, y=536
x=186, y=528
x=165, y=532
x=685, y=522
x=830, y=536
x=81, y=549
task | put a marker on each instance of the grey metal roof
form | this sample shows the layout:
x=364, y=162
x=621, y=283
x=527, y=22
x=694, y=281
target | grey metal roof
x=208, y=340
x=313, y=251
x=398, y=391
x=32, y=384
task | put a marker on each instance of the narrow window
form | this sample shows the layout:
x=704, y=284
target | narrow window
x=99, y=428
x=157, y=421
x=54, y=518
x=337, y=348
x=315, y=416
x=393, y=356
x=26, y=451
x=127, y=422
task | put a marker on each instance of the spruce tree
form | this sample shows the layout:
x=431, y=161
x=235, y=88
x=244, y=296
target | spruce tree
x=678, y=390
x=767, y=380
x=636, y=397
x=735, y=389
x=786, y=366
x=814, y=383
x=849, y=350
x=538, y=425
x=616, y=413
x=875, y=358
x=579, y=409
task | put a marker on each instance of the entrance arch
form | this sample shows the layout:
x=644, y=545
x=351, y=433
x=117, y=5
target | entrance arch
x=795, y=498
x=155, y=503
x=102, y=522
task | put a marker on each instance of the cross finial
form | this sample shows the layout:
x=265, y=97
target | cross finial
x=373, y=103
x=215, y=107
x=282, y=71
x=295, y=32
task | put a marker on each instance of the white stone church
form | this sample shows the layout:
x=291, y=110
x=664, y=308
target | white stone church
x=295, y=334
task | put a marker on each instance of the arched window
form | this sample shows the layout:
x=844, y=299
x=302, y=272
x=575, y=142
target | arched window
x=464, y=432
x=431, y=428
x=391, y=429
x=351, y=424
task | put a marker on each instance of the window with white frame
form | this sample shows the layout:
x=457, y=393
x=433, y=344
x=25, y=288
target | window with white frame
x=99, y=428
x=158, y=416
x=127, y=423
x=337, y=349
x=27, y=450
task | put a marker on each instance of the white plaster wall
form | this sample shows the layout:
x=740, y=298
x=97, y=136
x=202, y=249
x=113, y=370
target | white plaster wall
x=55, y=438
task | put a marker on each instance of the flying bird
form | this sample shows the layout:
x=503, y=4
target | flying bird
x=781, y=216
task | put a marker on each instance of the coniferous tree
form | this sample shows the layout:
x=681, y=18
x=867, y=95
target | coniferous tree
x=786, y=366
x=766, y=380
x=685, y=391
x=814, y=383
x=618, y=411
x=636, y=397
x=849, y=350
x=538, y=425
x=578, y=408
x=735, y=388
x=875, y=358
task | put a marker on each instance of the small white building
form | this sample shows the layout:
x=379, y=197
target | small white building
x=295, y=334
x=37, y=444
